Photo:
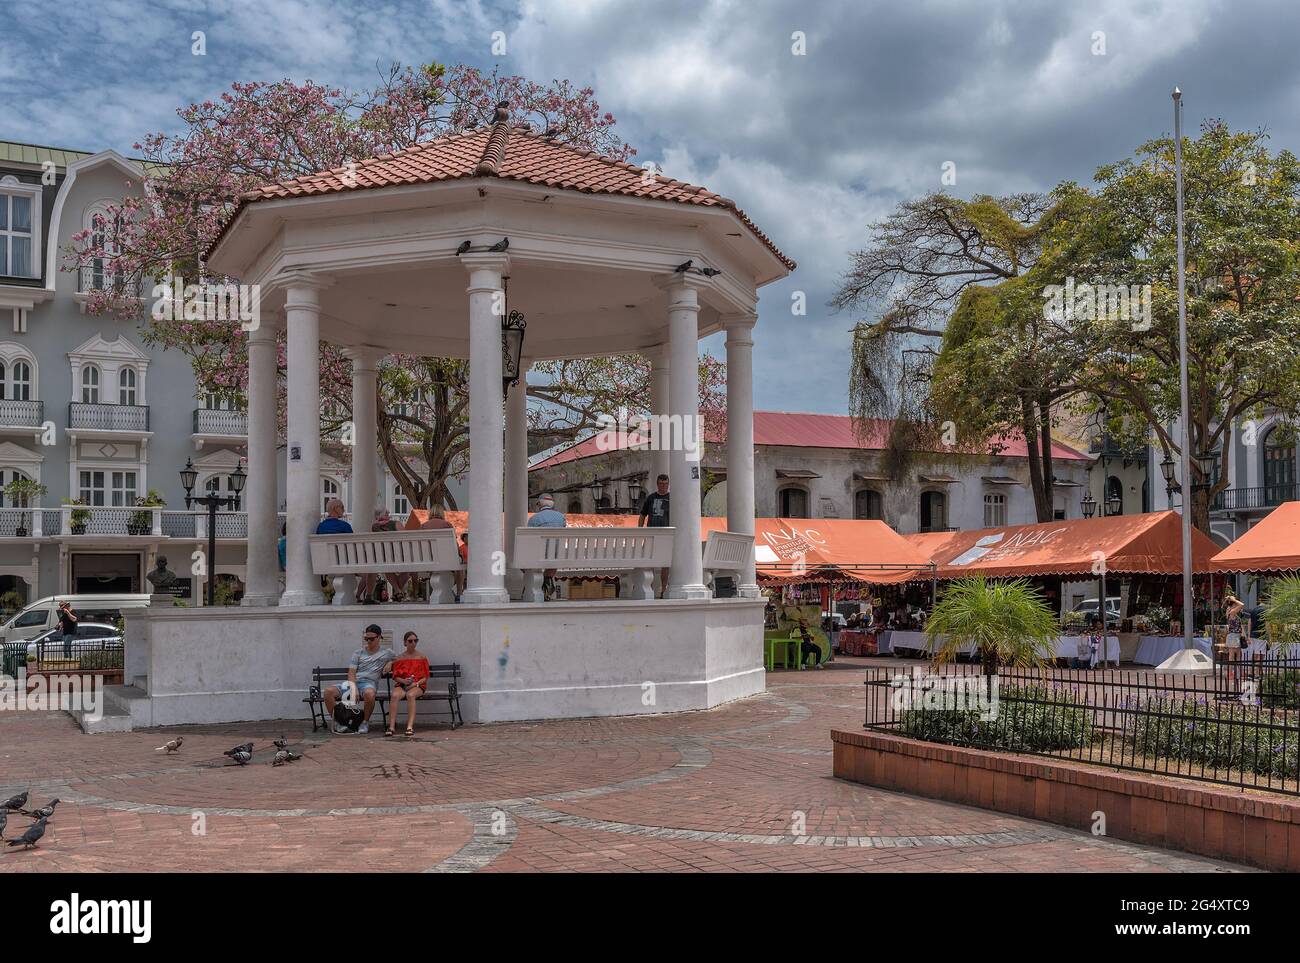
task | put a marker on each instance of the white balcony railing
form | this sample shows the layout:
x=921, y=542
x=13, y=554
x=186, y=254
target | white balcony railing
x=87, y=416
x=21, y=414
x=220, y=421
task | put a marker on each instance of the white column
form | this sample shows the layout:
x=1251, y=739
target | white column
x=686, y=579
x=516, y=472
x=659, y=368
x=365, y=469
x=263, y=568
x=302, y=318
x=740, y=442
x=485, y=579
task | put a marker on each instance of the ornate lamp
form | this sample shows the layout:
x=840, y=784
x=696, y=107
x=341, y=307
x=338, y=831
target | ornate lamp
x=1089, y=505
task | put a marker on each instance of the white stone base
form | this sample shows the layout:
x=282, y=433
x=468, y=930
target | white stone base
x=558, y=660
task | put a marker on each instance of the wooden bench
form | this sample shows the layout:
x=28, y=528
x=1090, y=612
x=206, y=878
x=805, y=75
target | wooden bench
x=432, y=550
x=726, y=552
x=324, y=677
x=638, y=552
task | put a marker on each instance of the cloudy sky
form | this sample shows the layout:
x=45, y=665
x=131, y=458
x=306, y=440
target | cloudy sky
x=1018, y=95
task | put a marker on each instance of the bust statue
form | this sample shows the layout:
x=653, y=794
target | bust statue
x=161, y=578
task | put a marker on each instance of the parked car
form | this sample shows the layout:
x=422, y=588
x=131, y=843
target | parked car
x=42, y=614
x=90, y=636
x=1088, y=608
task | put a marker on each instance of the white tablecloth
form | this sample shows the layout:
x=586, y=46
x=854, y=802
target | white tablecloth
x=1067, y=647
x=1154, y=649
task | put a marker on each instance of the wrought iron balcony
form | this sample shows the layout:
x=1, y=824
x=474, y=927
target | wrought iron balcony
x=21, y=414
x=220, y=421
x=91, y=278
x=1246, y=499
x=86, y=416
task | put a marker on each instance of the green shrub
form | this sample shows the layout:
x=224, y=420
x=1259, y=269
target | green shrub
x=1280, y=690
x=1030, y=718
x=1221, y=736
x=104, y=659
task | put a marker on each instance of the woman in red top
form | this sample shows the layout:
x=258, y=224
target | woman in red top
x=410, y=678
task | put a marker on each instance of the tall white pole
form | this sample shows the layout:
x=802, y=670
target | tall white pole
x=1186, y=459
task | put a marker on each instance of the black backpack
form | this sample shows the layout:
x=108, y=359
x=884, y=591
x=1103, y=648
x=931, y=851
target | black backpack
x=349, y=717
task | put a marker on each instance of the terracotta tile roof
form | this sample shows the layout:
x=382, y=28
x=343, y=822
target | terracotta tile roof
x=512, y=153
x=803, y=430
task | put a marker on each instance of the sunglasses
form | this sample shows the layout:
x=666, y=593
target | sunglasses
x=369, y=638
x=414, y=638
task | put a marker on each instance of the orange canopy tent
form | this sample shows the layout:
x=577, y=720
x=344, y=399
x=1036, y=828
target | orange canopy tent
x=867, y=551
x=1272, y=545
x=1139, y=544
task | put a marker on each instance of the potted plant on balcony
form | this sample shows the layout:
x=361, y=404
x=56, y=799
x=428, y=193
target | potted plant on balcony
x=141, y=522
x=22, y=493
x=79, y=517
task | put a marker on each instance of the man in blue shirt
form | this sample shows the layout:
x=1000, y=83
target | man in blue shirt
x=547, y=517
x=334, y=523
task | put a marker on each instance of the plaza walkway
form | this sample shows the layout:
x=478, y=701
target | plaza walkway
x=744, y=787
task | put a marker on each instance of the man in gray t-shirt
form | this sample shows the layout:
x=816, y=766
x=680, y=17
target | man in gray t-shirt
x=367, y=665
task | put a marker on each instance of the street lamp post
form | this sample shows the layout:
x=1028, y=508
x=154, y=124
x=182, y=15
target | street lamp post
x=211, y=503
x=1185, y=410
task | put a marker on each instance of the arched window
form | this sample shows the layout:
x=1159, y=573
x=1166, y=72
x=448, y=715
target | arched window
x=6, y=476
x=101, y=236
x=90, y=384
x=934, y=511
x=867, y=504
x=126, y=386
x=1114, y=496
x=792, y=503
x=1279, y=465
x=19, y=382
x=995, y=510
x=575, y=506
x=329, y=488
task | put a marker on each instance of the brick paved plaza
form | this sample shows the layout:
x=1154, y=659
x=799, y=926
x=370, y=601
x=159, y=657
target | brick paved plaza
x=719, y=791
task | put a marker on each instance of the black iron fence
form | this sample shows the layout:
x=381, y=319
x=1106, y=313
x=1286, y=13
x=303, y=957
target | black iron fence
x=1239, y=725
x=74, y=655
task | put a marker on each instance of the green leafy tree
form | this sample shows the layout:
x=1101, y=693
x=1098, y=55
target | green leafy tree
x=1242, y=214
x=945, y=276
x=1006, y=621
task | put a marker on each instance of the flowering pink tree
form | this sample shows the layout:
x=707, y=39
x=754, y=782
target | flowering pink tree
x=259, y=132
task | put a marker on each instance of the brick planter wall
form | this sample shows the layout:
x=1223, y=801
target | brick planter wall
x=1197, y=818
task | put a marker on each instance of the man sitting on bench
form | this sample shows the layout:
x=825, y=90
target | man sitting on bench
x=366, y=667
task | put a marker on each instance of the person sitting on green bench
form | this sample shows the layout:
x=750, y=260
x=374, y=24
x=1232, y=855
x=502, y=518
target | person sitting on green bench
x=807, y=645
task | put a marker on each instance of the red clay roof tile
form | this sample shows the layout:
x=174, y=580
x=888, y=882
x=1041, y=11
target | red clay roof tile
x=513, y=153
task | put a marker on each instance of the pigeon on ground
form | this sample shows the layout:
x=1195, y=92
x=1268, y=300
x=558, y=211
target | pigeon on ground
x=683, y=267
x=500, y=245
x=45, y=812
x=15, y=802
x=464, y=246
x=171, y=746
x=283, y=756
x=281, y=743
x=241, y=754
x=28, y=839
x=4, y=818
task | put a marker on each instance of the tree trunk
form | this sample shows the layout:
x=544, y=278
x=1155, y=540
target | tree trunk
x=1047, y=510
x=1029, y=428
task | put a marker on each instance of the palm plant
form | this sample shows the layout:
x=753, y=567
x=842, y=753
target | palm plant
x=1282, y=611
x=1006, y=621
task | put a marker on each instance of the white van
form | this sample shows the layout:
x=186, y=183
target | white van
x=43, y=613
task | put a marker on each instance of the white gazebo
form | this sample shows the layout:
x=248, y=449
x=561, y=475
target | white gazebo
x=410, y=253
